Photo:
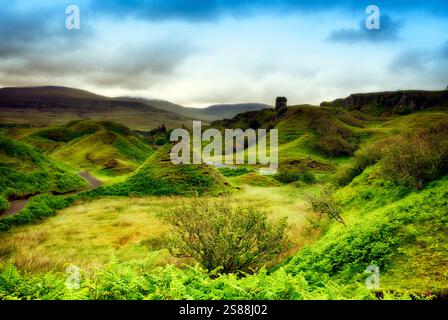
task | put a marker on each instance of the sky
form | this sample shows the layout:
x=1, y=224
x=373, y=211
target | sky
x=202, y=52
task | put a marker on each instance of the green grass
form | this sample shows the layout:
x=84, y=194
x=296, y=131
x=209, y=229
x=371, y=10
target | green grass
x=159, y=176
x=388, y=227
x=119, y=241
x=26, y=171
x=106, y=148
x=111, y=151
x=91, y=233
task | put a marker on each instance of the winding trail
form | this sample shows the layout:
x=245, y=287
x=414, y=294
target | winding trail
x=17, y=205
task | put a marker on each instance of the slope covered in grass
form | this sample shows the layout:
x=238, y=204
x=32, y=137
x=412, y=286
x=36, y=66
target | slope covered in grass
x=402, y=232
x=159, y=176
x=316, y=137
x=25, y=171
x=89, y=145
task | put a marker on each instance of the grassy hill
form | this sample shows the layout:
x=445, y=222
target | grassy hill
x=26, y=171
x=316, y=137
x=102, y=146
x=159, y=176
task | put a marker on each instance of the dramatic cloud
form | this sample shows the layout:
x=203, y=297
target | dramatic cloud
x=216, y=51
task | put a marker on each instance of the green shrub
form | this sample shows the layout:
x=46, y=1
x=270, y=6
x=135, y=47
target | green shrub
x=365, y=157
x=136, y=282
x=417, y=157
x=335, y=146
x=160, y=140
x=222, y=235
x=289, y=174
x=308, y=177
x=325, y=204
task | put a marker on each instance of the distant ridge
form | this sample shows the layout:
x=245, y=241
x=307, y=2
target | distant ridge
x=58, y=105
x=210, y=113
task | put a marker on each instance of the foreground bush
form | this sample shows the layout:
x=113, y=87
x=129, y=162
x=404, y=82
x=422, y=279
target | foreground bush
x=222, y=235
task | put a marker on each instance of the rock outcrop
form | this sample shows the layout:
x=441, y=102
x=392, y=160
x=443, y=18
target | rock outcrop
x=393, y=102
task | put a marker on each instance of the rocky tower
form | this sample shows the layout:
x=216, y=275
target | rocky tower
x=280, y=102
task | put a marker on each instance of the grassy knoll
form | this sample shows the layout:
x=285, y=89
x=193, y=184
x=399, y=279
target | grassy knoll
x=106, y=148
x=159, y=176
x=26, y=171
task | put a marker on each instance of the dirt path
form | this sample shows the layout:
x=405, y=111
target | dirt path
x=17, y=205
x=93, y=182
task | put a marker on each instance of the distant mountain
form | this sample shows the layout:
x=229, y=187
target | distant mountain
x=393, y=102
x=59, y=105
x=211, y=113
x=227, y=111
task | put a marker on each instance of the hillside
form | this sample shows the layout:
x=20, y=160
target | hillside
x=25, y=171
x=226, y=111
x=159, y=176
x=59, y=105
x=308, y=135
x=393, y=102
x=106, y=147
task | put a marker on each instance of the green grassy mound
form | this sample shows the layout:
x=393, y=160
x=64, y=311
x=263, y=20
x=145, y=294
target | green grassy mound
x=104, y=146
x=26, y=171
x=159, y=176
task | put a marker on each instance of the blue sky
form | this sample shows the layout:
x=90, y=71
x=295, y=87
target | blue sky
x=201, y=52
